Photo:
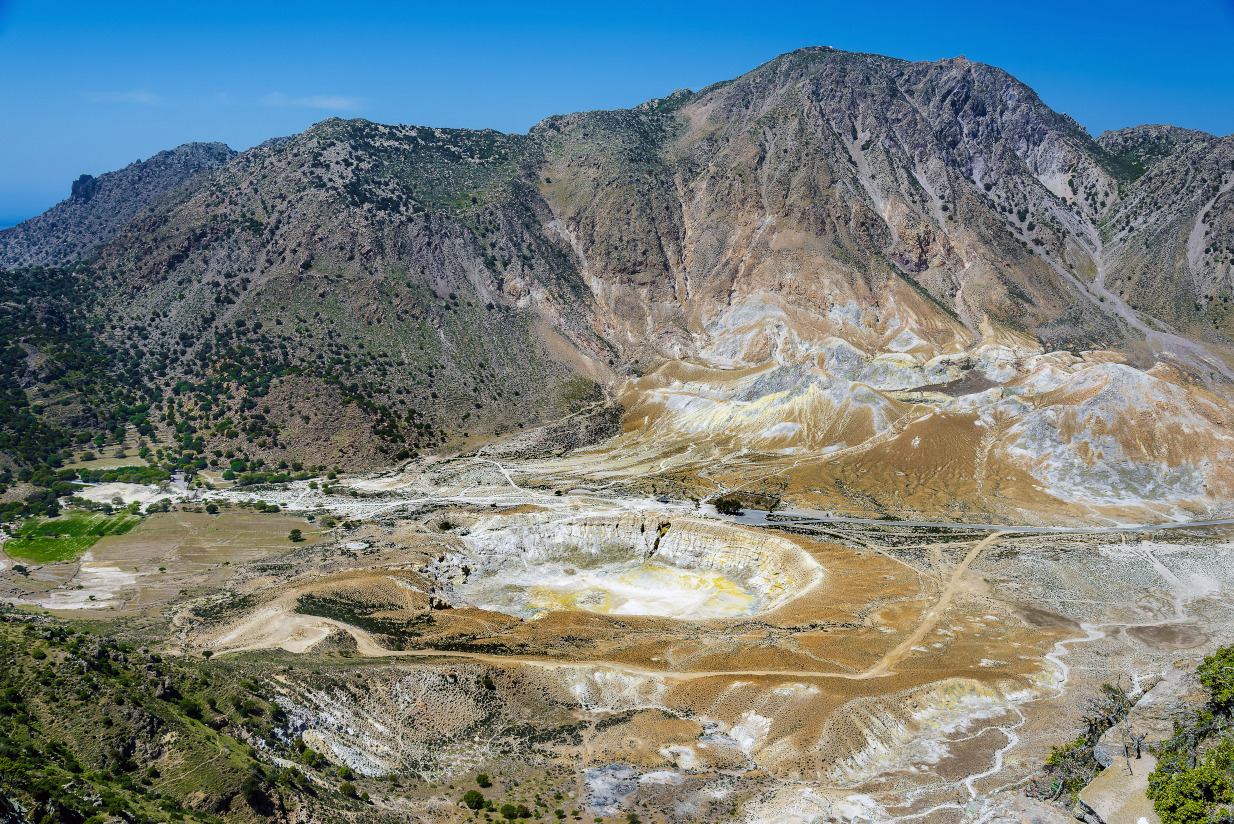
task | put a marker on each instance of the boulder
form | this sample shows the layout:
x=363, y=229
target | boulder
x=1117, y=795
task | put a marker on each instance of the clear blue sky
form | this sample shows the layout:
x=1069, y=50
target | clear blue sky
x=91, y=86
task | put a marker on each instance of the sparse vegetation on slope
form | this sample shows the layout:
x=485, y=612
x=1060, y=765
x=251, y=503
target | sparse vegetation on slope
x=91, y=727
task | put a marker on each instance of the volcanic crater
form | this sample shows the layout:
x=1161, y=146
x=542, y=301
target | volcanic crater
x=637, y=564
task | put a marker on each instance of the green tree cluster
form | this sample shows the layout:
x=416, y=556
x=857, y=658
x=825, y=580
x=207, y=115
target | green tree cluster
x=1194, y=779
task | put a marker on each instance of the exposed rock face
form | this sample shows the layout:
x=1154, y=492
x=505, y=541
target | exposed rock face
x=1151, y=719
x=820, y=180
x=819, y=256
x=1118, y=795
x=84, y=188
x=99, y=207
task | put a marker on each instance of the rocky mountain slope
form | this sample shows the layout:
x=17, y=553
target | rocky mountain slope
x=99, y=207
x=889, y=246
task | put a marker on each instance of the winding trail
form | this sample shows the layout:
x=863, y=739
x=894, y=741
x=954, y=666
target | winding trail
x=310, y=629
x=503, y=471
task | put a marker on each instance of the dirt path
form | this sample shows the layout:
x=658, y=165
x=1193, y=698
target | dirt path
x=930, y=619
x=297, y=633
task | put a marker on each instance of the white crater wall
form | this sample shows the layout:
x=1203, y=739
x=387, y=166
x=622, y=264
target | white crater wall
x=636, y=564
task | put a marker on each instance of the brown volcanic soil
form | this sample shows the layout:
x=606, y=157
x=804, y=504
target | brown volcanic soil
x=914, y=664
x=880, y=639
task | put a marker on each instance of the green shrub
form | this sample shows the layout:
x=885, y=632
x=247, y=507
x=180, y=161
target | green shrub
x=1217, y=676
x=1194, y=779
x=1191, y=795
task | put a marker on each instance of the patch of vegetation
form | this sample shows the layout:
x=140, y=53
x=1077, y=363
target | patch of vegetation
x=1194, y=779
x=1073, y=765
x=225, y=608
x=92, y=729
x=89, y=392
x=578, y=392
x=46, y=540
x=364, y=616
x=124, y=475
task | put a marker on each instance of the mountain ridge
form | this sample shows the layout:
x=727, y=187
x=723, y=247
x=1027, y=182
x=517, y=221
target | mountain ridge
x=72, y=229
x=880, y=223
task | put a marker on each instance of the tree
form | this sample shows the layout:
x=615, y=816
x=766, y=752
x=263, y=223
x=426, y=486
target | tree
x=1217, y=676
x=295, y=536
x=347, y=788
x=728, y=506
x=255, y=795
x=483, y=780
x=473, y=799
x=212, y=509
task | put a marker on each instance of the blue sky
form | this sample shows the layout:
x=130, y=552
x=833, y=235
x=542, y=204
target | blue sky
x=90, y=86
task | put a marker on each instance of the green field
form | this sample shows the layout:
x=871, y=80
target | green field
x=45, y=540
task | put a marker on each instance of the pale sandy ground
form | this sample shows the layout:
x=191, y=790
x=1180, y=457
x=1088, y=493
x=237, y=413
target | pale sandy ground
x=99, y=582
x=127, y=493
x=928, y=633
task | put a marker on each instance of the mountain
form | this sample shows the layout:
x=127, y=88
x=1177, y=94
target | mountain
x=1168, y=238
x=99, y=207
x=885, y=287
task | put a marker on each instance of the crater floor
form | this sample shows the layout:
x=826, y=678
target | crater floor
x=619, y=587
x=654, y=565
